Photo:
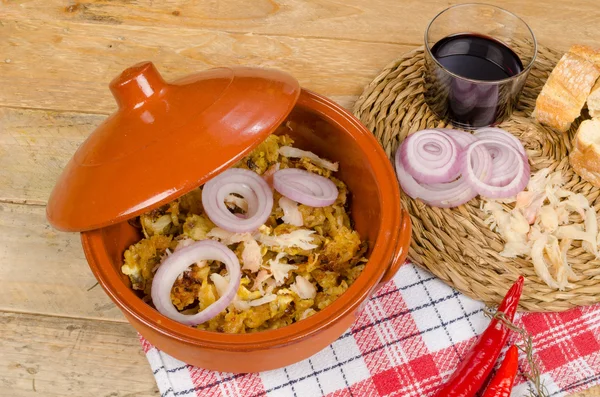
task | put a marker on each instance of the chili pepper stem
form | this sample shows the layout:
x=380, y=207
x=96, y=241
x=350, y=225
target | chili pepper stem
x=534, y=373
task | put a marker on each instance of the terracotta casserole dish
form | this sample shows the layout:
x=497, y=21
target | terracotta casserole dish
x=169, y=138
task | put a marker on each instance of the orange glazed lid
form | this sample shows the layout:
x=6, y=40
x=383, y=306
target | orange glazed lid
x=167, y=139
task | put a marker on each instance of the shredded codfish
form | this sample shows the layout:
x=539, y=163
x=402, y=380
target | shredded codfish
x=291, y=213
x=289, y=151
x=538, y=226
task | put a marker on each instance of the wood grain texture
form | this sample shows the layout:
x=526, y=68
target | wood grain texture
x=63, y=65
x=554, y=23
x=44, y=271
x=56, y=357
x=34, y=148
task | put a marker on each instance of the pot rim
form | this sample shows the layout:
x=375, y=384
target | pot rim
x=380, y=258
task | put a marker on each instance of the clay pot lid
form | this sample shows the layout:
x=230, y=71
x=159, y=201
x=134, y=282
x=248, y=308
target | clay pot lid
x=166, y=139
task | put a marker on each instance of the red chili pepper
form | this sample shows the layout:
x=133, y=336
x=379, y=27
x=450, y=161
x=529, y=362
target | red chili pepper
x=479, y=362
x=502, y=383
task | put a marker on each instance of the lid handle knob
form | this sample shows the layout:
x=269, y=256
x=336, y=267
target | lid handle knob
x=136, y=84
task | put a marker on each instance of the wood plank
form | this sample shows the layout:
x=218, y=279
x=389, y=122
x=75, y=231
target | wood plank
x=63, y=65
x=34, y=148
x=374, y=20
x=54, y=356
x=44, y=271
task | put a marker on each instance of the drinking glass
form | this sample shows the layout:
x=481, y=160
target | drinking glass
x=464, y=97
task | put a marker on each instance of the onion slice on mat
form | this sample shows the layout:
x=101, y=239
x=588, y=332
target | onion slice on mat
x=451, y=194
x=245, y=183
x=492, y=162
x=178, y=262
x=503, y=160
x=462, y=138
x=305, y=187
x=430, y=156
x=517, y=180
x=500, y=135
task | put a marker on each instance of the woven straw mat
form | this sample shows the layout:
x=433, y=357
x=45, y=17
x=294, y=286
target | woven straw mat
x=455, y=244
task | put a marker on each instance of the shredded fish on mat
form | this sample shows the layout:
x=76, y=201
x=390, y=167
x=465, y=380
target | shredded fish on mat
x=538, y=226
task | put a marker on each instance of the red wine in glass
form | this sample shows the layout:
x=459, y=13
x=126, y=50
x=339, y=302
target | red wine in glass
x=477, y=57
x=471, y=79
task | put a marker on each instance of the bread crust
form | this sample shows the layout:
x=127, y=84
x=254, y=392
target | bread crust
x=567, y=88
x=588, y=53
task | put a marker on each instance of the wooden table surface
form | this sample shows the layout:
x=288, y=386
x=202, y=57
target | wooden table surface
x=60, y=335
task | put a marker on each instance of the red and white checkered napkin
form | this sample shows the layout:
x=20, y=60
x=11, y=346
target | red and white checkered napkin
x=409, y=338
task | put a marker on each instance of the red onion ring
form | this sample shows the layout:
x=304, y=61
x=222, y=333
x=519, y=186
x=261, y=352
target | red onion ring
x=499, y=162
x=500, y=135
x=430, y=156
x=450, y=194
x=305, y=187
x=513, y=186
x=503, y=166
x=247, y=184
x=179, y=261
x=462, y=138
x=503, y=160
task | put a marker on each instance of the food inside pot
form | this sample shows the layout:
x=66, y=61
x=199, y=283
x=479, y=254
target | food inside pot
x=261, y=246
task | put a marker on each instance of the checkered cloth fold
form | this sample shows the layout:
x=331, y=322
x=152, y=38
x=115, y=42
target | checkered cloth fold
x=406, y=342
